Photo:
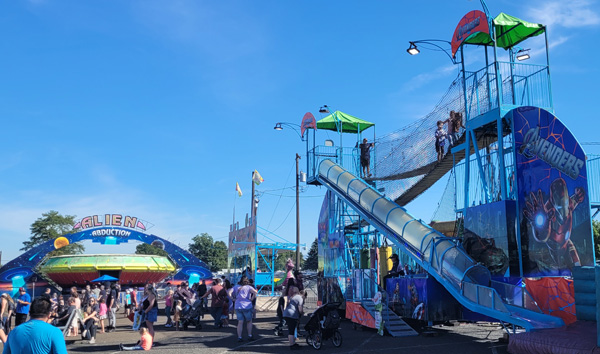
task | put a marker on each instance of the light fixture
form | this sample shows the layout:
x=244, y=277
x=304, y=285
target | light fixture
x=412, y=50
x=523, y=54
x=278, y=126
x=324, y=109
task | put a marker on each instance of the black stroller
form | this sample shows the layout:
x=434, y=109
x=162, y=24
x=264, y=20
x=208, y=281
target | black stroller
x=324, y=324
x=191, y=315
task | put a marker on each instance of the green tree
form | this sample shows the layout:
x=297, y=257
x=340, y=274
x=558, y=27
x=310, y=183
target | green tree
x=312, y=258
x=144, y=248
x=49, y=227
x=212, y=253
x=596, y=230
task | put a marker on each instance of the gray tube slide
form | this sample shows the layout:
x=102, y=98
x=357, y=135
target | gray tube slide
x=468, y=281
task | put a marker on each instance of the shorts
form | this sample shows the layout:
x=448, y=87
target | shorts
x=292, y=323
x=152, y=315
x=439, y=147
x=244, y=314
x=102, y=317
x=364, y=162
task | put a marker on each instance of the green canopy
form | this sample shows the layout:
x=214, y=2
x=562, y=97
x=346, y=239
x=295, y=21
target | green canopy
x=510, y=31
x=348, y=123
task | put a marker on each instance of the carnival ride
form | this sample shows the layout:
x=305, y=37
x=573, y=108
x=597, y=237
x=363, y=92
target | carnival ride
x=511, y=157
x=25, y=269
x=127, y=269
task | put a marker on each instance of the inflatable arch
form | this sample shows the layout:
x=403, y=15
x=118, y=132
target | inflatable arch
x=22, y=269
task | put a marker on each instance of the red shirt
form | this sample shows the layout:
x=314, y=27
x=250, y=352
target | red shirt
x=146, y=341
x=216, y=300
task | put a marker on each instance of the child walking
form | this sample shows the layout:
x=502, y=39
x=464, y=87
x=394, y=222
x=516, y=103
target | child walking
x=177, y=314
x=102, y=312
x=225, y=314
x=440, y=140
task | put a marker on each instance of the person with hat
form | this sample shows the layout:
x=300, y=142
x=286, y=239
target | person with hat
x=396, y=270
x=22, y=310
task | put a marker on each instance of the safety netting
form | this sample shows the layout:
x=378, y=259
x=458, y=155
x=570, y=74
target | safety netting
x=446, y=207
x=405, y=156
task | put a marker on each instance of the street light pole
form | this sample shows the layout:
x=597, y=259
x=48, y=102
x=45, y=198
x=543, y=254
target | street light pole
x=297, y=213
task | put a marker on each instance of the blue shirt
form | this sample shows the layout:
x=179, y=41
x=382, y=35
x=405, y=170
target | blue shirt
x=35, y=337
x=23, y=308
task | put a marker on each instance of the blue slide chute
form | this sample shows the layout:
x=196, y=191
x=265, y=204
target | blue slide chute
x=468, y=281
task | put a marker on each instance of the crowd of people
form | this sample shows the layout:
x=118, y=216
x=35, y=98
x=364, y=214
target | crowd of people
x=87, y=311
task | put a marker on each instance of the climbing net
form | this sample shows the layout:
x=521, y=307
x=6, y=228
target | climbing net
x=403, y=154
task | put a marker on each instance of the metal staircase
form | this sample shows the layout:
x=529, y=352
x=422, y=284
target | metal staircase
x=392, y=322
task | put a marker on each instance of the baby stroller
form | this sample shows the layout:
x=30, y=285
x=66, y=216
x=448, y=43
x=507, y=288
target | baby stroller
x=192, y=315
x=324, y=324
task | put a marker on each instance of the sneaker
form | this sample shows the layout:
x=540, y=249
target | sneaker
x=92, y=341
x=121, y=346
x=84, y=334
x=240, y=339
x=250, y=338
x=168, y=325
x=296, y=346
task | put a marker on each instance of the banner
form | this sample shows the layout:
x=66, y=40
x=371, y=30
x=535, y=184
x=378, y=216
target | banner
x=554, y=296
x=553, y=203
x=245, y=240
x=490, y=236
x=473, y=22
x=308, y=121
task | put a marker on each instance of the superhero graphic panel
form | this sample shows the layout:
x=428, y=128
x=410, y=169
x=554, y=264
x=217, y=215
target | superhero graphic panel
x=553, y=202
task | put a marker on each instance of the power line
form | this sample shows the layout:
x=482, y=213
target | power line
x=279, y=200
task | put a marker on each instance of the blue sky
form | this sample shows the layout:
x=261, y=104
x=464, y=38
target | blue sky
x=157, y=108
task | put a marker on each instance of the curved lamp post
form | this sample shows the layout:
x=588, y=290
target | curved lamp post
x=414, y=50
x=293, y=126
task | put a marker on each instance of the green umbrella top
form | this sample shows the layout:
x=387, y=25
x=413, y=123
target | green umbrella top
x=340, y=121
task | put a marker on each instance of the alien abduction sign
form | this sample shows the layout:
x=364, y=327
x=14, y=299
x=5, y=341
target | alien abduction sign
x=553, y=202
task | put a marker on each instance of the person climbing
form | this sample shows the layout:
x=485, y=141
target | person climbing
x=365, y=157
x=440, y=140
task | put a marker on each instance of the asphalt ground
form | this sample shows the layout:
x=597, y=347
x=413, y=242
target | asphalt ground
x=459, y=338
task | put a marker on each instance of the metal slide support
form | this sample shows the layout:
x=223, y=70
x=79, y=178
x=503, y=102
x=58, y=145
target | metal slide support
x=481, y=173
x=502, y=167
x=467, y=168
x=548, y=69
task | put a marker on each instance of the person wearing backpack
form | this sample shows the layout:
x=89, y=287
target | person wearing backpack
x=243, y=297
x=218, y=295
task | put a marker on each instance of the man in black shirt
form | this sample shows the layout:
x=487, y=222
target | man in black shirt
x=365, y=157
x=102, y=293
x=201, y=291
x=111, y=304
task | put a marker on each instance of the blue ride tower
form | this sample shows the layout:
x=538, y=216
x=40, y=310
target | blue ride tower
x=522, y=199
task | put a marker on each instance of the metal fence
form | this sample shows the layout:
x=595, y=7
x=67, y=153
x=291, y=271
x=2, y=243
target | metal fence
x=520, y=84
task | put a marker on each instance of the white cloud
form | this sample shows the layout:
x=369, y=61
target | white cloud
x=569, y=14
x=540, y=50
x=423, y=79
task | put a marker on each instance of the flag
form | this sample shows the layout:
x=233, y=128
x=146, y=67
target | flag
x=238, y=189
x=256, y=178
